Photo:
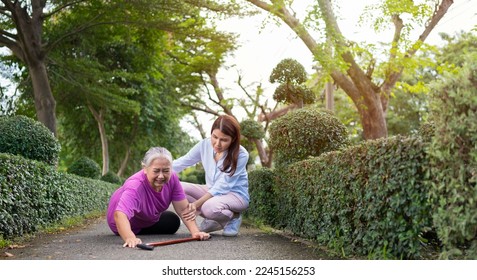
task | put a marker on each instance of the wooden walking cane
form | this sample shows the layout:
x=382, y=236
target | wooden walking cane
x=150, y=246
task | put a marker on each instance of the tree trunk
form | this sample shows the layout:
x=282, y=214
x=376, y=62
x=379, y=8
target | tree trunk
x=27, y=46
x=330, y=102
x=367, y=101
x=276, y=113
x=98, y=116
x=45, y=104
x=127, y=156
x=373, y=121
x=265, y=159
x=124, y=163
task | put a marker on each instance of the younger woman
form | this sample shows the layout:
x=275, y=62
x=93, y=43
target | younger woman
x=225, y=194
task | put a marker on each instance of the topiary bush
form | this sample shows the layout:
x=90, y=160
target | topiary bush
x=453, y=161
x=111, y=177
x=28, y=138
x=85, y=167
x=305, y=132
x=292, y=89
x=252, y=129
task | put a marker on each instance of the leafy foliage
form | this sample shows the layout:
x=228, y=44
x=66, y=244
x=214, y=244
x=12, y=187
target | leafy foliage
x=288, y=71
x=130, y=61
x=24, y=136
x=34, y=194
x=369, y=200
x=304, y=133
x=263, y=205
x=194, y=175
x=85, y=167
x=252, y=129
x=408, y=108
x=112, y=178
x=457, y=48
x=125, y=74
x=291, y=75
x=427, y=130
x=453, y=158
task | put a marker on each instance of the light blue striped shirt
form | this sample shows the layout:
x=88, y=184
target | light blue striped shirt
x=218, y=182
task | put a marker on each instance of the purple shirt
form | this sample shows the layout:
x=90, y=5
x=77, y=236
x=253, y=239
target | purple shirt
x=141, y=203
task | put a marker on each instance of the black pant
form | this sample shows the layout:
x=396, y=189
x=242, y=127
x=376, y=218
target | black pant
x=168, y=223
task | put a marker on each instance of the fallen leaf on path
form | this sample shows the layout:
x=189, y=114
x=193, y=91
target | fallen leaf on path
x=7, y=254
x=16, y=246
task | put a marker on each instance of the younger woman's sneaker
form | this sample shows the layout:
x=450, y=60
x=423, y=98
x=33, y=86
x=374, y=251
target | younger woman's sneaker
x=231, y=229
x=209, y=226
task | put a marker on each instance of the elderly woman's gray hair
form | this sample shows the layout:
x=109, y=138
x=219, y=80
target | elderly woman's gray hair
x=154, y=153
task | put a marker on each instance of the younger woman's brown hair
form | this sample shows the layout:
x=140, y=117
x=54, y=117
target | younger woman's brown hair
x=228, y=125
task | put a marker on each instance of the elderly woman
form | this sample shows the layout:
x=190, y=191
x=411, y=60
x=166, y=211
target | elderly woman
x=140, y=205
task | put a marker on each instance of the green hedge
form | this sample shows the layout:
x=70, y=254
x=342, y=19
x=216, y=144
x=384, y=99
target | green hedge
x=194, y=175
x=34, y=194
x=368, y=200
x=262, y=203
x=453, y=161
x=21, y=135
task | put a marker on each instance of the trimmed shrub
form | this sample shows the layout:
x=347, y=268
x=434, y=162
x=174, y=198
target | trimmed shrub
x=252, y=129
x=28, y=138
x=453, y=158
x=34, y=194
x=305, y=133
x=366, y=200
x=85, y=167
x=292, y=89
x=193, y=175
x=112, y=178
x=261, y=188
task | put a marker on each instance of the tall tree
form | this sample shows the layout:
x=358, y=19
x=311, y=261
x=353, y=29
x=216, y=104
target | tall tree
x=102, y=60
x=126, y=79
x=352, y=66
x=22, y=31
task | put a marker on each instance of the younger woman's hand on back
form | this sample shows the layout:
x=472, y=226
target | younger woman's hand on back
x=189, y=214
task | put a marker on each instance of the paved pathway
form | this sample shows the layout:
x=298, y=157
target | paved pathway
x=94, y=241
